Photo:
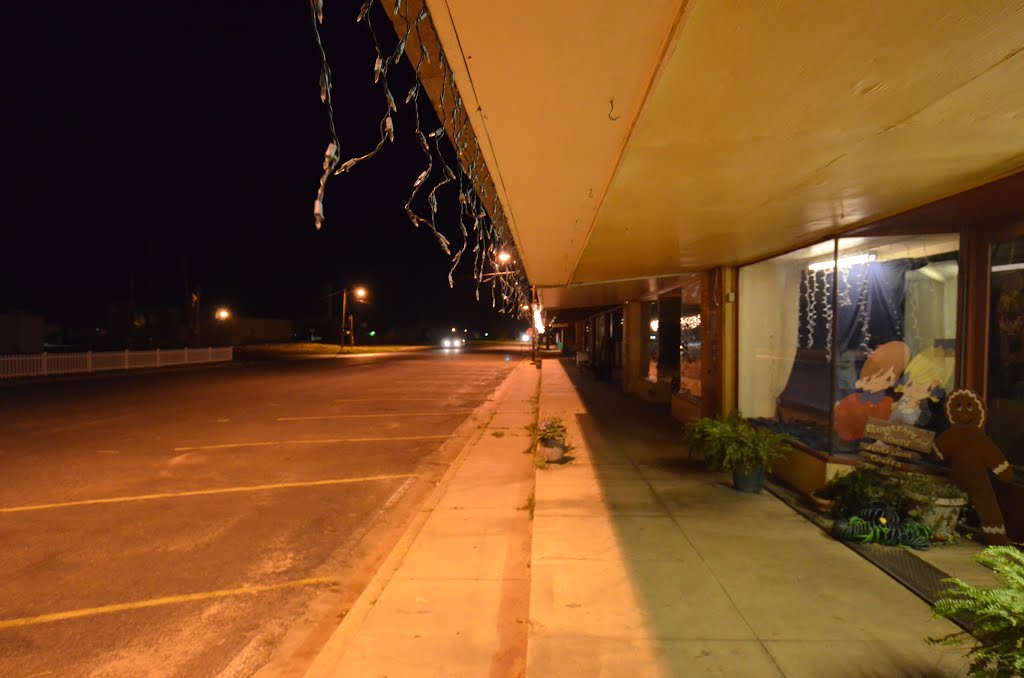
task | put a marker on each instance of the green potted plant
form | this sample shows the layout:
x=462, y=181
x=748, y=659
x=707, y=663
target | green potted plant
x=551, y=439
x=863, y=488
x=997, y=637
x=734, y=444
x=934, y=502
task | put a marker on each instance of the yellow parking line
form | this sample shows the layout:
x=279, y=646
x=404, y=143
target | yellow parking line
x=363, y=400
x=155, y=602
x=318, y=441
x=199, y=493
x=366, y=416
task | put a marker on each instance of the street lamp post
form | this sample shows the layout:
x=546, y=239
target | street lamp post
x=346, y=319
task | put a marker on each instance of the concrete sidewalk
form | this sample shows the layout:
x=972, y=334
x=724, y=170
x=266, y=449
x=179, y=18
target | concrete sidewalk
x=639, y=564
x=645, y=565
x=451, y=599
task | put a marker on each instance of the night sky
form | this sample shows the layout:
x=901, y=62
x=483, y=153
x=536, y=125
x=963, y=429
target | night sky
x=168, y=140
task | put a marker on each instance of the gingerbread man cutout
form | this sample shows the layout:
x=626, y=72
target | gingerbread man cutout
x=972, y=455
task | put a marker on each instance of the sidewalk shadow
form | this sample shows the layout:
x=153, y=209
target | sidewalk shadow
x=623, y=433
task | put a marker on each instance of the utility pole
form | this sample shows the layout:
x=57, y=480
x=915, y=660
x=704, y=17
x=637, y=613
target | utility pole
x=344, y=315
x=196, y=297
x=346, y=319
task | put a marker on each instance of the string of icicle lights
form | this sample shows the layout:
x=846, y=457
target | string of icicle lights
x=486, y=237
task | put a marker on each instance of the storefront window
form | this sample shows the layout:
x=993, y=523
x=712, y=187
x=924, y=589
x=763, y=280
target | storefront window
x=1006, y=349
x=689, y=352
x=846, y=331
x=894, y=331
x=784, y=363
x=651, y=320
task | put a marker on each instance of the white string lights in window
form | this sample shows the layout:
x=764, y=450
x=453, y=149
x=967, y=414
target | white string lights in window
x=829, y=315
x=489, y=232
x=690, y=322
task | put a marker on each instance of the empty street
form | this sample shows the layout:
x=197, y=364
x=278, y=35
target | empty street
x=196, y=522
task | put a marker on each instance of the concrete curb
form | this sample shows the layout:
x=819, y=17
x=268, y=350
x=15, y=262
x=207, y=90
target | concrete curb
x=338, y=644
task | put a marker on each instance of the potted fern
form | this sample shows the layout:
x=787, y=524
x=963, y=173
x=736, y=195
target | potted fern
x=734, y=444
x=997, y=639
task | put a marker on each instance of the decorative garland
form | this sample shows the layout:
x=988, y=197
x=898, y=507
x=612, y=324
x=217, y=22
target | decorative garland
x=862, y=314
x=490, y=233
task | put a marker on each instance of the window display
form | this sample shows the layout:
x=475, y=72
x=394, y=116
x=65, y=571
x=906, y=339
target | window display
x=784, y=378
x=895, y=333
x=689, y=352
x=867, y=331
x=651, y=320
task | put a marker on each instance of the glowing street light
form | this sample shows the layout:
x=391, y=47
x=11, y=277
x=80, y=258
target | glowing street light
x=360, y=294
x=222, y=314
x=504, y=257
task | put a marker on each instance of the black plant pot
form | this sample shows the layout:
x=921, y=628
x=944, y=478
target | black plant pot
x=748, y=481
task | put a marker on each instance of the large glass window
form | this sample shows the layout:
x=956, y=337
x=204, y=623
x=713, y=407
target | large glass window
x=1006, y=349
x=895, y=324
x=651, y=321
x=784, y=377
x=846, y=331
x=689, y=352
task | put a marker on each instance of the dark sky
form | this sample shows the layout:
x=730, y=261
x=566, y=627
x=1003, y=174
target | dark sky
x=155, y=137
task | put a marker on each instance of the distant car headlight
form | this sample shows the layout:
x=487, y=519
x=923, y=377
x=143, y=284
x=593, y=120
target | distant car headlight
x=447, y=343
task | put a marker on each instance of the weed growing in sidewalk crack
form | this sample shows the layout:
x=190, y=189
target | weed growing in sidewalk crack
x=532, y=429
x=529, y=505
x=539, y=461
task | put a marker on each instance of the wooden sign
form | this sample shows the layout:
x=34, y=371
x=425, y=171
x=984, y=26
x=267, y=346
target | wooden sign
x=901, y=435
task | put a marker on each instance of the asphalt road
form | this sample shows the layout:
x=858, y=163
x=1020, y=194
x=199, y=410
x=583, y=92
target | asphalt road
x=201, y=522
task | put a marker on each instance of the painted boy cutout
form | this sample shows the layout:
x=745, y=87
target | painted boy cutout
x=880, y=373
x=972, y=455
x=926, y=379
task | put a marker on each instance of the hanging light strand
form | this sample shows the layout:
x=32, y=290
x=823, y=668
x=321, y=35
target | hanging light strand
x=489, y=233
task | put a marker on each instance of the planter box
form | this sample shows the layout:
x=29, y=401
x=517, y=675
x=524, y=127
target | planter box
x=806, y=470
x=941, y=517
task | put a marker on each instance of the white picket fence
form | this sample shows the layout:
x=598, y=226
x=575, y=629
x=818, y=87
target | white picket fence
x=45, y=364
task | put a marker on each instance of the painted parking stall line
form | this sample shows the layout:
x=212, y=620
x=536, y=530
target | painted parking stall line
x=392, y=415
x=314, y=441
x=157, y=602
x=383, y=399
x=202, y=493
